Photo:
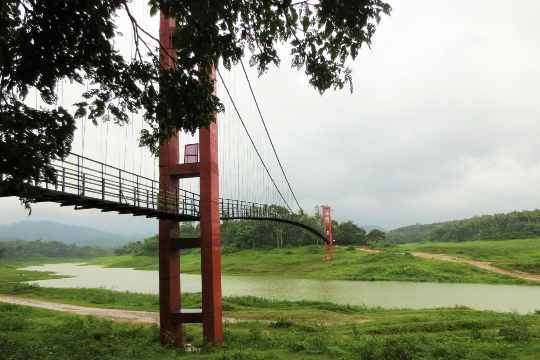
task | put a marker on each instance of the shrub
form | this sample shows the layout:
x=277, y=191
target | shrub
x=297, y=346
x=355, y=331
x=392, y=348
x=515, y=330
x=281, y=323
x=13, y=323
x=22, y=288
x=238, y=355
x=316, y=345
x=399, y=348
x=476, y=334
x=255, y=335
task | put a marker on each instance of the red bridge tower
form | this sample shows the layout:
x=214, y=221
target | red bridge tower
x=327, y=231
x=172, y=316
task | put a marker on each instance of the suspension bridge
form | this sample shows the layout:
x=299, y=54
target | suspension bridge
x=89, y=184
x=253, y=194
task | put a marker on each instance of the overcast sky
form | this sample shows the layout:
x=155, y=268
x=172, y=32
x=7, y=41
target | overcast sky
x=443, y=123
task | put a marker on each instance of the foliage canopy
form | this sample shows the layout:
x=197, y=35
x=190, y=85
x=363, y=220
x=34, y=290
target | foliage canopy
x=43, y=42
x=514, y=225
x=244, y=234
x=20, y=249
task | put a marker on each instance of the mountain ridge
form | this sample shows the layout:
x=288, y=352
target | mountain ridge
x=521, y=224
x=65, y=233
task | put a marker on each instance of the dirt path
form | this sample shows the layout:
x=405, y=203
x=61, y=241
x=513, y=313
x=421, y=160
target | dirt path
x=130, y=316
x=140, y=317
x=484, y=265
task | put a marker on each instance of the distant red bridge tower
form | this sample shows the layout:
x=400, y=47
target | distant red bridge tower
x=327, y=231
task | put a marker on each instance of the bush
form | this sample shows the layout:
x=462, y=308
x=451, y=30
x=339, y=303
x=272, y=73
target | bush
x=316, y=345
x=297, y=346
x=515, y=331
x=476, y=333
x=20, y=249
x=392, y=348
x=400, y=348
x=238, y=355
x=22, y=288
x=13, y=323
x=355, y=331
x=281, y=323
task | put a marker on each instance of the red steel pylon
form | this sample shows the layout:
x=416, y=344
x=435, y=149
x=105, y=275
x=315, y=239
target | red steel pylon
x=327, y=231
x=172, y=316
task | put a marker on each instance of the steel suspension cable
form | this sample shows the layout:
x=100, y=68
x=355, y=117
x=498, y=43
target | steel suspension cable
x=251, y=139
x=268, y=134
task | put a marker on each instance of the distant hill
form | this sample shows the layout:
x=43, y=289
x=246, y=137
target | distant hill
x=67, y=234
x=514, y=225
x=21, y=249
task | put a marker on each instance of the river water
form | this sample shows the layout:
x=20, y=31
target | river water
x=386, y=294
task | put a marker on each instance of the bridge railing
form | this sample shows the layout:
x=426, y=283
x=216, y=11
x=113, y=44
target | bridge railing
x=94, y=180
x=232, y=208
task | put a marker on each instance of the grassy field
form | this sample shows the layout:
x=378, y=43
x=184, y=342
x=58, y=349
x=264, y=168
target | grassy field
x=28, y=333
x=287, y=330
x=522, y=255
x=348, y=264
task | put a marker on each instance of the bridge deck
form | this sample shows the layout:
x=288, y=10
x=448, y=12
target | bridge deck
x=88, y=184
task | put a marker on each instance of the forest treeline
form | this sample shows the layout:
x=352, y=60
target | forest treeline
x=247, y=234
x=22, y=249
x=514, y=225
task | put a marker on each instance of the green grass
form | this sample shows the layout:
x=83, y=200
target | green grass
x=306, y=262
x=28, y=333
x=522, y=255
x=291, y=330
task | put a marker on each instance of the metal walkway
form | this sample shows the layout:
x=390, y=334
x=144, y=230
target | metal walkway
x=89, y=184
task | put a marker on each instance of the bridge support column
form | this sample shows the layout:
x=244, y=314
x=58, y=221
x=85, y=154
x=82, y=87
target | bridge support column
x=171, y=315
x=327, y=231
x=210, y=235
x=169, y=259
x=171, y=331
